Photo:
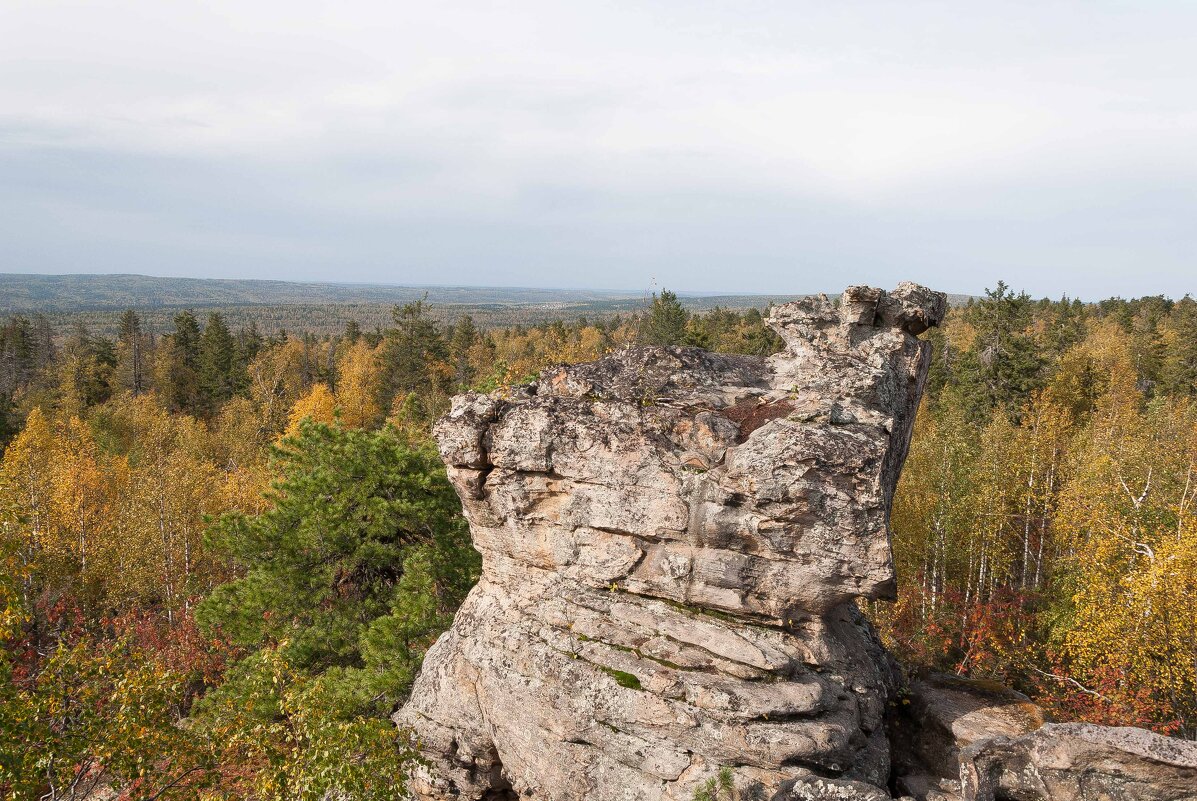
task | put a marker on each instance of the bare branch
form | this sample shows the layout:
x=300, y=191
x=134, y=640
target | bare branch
x=1073, y=682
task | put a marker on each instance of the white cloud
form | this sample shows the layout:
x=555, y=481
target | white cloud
x=489, y=111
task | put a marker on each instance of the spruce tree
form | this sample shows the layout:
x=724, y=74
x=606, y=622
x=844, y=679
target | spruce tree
x=131, y=358
x=413, y=347
x=217, y=358
x=666, y=324
x=465, y=335
x=182, y=384
x=1003, y=365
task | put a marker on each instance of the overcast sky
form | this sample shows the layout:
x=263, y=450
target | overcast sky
x=740, y=146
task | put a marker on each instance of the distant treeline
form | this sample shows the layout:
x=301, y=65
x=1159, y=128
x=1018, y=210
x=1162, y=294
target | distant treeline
x=98, y=301
x=328, y=319
x=22, y=292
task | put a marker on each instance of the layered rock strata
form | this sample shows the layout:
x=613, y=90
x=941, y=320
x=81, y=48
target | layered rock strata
x=673, y=542
x=1080, y=762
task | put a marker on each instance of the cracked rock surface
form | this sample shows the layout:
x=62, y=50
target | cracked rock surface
x=673, y=542
x=1080, y=762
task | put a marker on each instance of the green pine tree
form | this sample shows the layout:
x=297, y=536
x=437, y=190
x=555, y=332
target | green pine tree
x=357, y=566
x=666, y=323
x=217, y=363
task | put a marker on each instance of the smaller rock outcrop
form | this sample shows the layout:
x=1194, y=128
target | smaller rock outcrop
x=945, y=714
x=963, y=740
x=817, y=788
x=1080, y=762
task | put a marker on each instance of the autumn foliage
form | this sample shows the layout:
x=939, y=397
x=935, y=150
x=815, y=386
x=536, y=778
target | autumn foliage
x=1045, y=529
x=222, y=555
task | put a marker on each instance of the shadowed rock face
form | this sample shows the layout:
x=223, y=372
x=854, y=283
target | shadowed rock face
x=672, y=541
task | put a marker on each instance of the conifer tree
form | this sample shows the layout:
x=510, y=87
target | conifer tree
x=415, y=350
x=217, y=361
x=1003, y=366
x=666, y=323
x=354, y=514
x=131, y=356
x=465, y=336
x=179, y=366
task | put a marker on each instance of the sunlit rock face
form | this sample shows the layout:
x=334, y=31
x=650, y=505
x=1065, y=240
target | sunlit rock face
x=672, y=544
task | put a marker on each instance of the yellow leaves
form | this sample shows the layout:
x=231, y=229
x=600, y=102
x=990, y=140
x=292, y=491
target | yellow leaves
x=359, y=390
x=1128, y=520
x=318, y=406
x=239, y=436
x=527, y=352
x=125, y=527
x=244, y=489
x=958, y=333
x=1100, y=369
x=276, y=381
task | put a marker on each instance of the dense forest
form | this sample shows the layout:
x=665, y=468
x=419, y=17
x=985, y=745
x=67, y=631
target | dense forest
x=223, y=553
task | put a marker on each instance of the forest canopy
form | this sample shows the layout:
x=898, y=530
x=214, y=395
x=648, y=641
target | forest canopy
x=224, y=553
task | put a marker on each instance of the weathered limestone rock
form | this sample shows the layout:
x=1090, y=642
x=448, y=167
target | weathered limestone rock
x=1081, y=762
x=672, y=544
x=942, y=716
x=952, y=713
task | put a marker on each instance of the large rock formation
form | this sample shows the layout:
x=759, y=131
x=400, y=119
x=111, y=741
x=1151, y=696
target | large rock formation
x=672, y=544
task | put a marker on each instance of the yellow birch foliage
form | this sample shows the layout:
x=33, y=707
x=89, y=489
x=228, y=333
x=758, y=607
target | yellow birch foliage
x=26, y=476
x=276, y=382
x=1127, y=521
x=318, y=405
x=80, y=499
x=157, y=523
x=359, y=390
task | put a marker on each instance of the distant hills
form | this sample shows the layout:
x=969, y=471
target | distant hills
x=321, y=308
x=58, y=293
x=97, y=301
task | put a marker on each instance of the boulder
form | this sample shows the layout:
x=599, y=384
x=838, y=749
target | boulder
x=1080, y=762
x=940, y=716
x=950, y=713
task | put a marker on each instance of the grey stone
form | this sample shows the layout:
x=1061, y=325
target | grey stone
x=947, y=714
x=673, y=542
x=1080, y=762
x=815, y=788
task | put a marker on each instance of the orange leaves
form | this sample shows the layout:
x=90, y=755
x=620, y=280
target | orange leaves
x=318, y=405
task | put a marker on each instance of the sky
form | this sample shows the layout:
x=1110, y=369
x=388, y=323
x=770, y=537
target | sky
x=772, y=147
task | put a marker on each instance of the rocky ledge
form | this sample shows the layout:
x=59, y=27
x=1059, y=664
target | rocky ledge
x=673, y=542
